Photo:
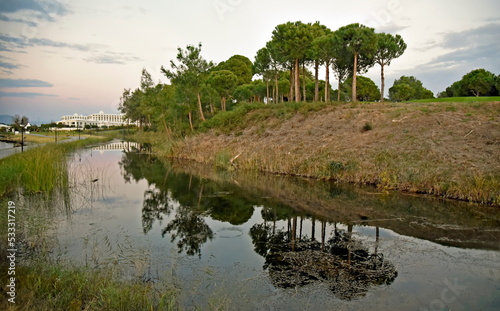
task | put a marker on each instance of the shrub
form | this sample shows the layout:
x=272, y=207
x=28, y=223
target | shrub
x=367, y=127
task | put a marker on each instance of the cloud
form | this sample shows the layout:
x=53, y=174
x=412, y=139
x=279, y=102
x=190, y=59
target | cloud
x=25, y=94
x=11, y=6
x=5, y=62
x=466, y=50
x=17, y=44
x=479, y=45
x=487, y=34
x=59, y=44
x=6, y=18
x=112, y=58
x=4, y=83
x=43, y=9
x=391, y=28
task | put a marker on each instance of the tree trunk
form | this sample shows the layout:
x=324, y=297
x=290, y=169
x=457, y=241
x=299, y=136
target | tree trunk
x=354, y=71
x=316, y=81
x=304, y=94
x=168, y=131
x=190, y=116
x=277, y=93
x=382, y=85
x=313, y=229
x=297, y=80
x=338, y=91
x=223, y=103
x=292, y=84
x=202, y=116
x=327, y=82
x=267, y=90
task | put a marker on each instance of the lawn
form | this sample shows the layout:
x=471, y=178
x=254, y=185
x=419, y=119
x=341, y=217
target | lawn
x=458, y=99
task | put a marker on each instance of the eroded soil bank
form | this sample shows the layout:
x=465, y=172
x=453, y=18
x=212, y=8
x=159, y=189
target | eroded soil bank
x=450, y=150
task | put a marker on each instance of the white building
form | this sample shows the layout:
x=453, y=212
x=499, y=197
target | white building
x=97, y=119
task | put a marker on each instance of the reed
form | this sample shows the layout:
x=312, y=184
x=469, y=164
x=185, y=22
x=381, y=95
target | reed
x=40, y=169
x=52, y=287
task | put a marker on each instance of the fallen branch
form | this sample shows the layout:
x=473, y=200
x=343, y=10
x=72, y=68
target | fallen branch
x=234, y=158
x=471, y=131
x=400, y=120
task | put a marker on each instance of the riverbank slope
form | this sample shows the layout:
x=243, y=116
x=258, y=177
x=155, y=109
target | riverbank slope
x=446, y=149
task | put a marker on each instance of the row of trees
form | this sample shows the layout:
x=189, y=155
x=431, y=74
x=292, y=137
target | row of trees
x=199, y=88
x=350, y=50
x=479, y=82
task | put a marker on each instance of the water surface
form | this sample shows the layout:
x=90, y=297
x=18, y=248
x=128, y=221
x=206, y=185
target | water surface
x=249, y=241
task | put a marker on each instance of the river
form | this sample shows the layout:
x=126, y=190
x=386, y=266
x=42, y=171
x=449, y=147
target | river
x=248, y=241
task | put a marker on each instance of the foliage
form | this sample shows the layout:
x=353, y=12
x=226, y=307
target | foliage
x=243, y=93
x=240, y=66
x=18, y=122
x=367, y=90
x=189, y=75
x=292, y=42
x=459, y=99
x=360, y=42
x=284, y=63
x=320, y=53
x=224, y=82
x=408, y=88
x=497, y=84
x=479, y=82
x=389, y=48
x=367, y=127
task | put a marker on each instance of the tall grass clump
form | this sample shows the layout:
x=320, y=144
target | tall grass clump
x=39, y=169
x=47, y=287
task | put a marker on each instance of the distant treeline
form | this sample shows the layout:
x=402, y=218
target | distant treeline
x=479, y=82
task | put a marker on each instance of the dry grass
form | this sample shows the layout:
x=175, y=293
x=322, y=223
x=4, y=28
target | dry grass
x=447, y=149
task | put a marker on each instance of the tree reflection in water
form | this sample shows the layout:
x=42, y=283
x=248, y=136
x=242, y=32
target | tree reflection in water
x=190, y=230
x=291, y=257
x=343, y=263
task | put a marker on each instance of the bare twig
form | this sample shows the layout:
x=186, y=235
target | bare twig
x=471, y=131
x=234, y=158
x=400, y=120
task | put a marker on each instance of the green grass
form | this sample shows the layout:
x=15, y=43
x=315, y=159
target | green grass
x=39, y=169
x=46, y=284
x=457, y=99
x=244, y=115
x=49, y=287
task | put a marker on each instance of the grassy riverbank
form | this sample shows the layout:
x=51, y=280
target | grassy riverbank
x=52, y=287
x=41, y=281
x=39, y=169
x=447, y=149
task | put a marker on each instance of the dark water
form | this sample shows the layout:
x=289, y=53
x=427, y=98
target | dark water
x=243, y=241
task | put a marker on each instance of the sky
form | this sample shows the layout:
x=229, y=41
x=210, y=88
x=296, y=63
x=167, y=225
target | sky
x=60, y=57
